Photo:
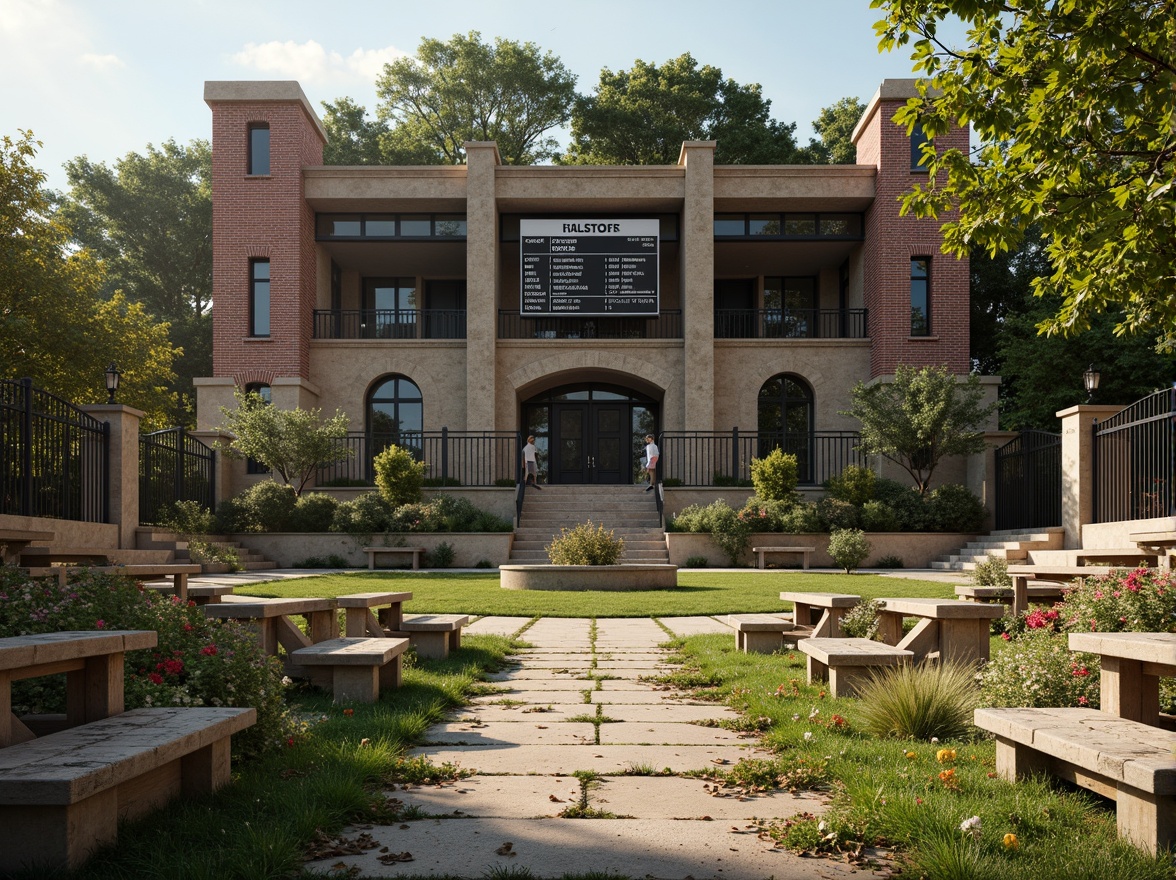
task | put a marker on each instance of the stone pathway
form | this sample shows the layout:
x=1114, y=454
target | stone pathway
x=551, y=720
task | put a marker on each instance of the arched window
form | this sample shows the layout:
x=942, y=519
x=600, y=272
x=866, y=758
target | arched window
x=395, y=415
x=786, y=420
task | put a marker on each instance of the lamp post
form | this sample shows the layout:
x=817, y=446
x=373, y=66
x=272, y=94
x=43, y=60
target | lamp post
x=1090, y=381
x=113, y=375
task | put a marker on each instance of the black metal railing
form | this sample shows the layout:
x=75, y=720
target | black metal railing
x=716, y=458
x=455, y=458
x=790, y=324
x=1029, y=481
x=174, y=466
x=390, y=324
x=54, y=458
x=1134, y=461
x=665, y=325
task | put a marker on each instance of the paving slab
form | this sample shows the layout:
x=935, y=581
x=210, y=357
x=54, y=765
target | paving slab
x=547, y=683
x=515, y=759
x=644, y=697
x=550, y=848
x=667, y=734
x=626, y=683
x=604, y=654
x=496, y=626
x=580, y=663
x=670, y=797
x=524, y=674
x=551, y=711
x=518, y=797
x=647, y=665
x=695, y=626
x=524, y=732
x=667, y=712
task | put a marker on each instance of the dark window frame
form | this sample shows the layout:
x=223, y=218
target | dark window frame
x=923, y=281
x=782, y=219
x=918, y=138
x=253, y=151
x=254, y=290
x=265, y=392
x=436, y=220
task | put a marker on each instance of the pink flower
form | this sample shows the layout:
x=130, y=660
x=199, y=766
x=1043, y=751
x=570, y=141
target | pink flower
x=1004, y=636
x=1082, y=701
x=1098, y=594
x=99, y=624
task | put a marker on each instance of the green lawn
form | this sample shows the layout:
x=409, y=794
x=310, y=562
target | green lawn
x=698, y=592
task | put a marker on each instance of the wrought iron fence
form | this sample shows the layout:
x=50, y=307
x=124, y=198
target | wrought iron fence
x=54, y=458
x=1134, y=465
x=716, y=458
x=1029, y=481
x=666, y=325
x=390, y=324
x=790, y=324
x=455, y=458
x=174, y=466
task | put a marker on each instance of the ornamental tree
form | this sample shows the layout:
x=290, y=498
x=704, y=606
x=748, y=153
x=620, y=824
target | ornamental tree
x=921, y=418
x=293, y=443
x=1073, y=106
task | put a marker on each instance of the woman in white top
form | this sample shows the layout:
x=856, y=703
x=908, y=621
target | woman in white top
x=529, y=453
x=651, y=454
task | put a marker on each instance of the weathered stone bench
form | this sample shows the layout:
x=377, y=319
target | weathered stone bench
x=1042, y=594
x=832, y=606
x=177, y=571
x=358, y=668
x=202, y=594
x=762, y=552
x=759, y=633
x=373, y=552
x=362, y=621
x=1129, y=762
x=63, y=795
x=1127, y=557
x=435, y=635
x=846, y=663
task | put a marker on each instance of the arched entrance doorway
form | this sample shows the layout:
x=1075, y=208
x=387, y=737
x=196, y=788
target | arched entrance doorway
x=590, y=432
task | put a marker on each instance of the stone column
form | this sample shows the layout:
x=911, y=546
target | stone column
x=482, y=160
x=124, y=467
x=1077, y=467
x=698, y=285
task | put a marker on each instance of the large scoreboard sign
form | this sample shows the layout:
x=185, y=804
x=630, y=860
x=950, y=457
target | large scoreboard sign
x=589, y=267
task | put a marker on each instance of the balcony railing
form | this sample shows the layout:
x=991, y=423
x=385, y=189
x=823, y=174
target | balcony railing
x=714, y=458
x=455, y=458
x=666, y=325
x=390, y=324
x=790, y=324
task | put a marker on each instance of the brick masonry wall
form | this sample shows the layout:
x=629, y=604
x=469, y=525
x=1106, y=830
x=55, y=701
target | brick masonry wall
x=262, y=217
x=891, y=242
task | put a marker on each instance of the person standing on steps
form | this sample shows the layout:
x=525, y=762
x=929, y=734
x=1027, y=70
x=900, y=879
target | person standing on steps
x=651, y=454
x=530, y=451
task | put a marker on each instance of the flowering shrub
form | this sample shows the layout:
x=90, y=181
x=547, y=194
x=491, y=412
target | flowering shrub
x=585, y=544
x=196, y=662
x=861, y=621
x=1037, y=669
x=1143, y=600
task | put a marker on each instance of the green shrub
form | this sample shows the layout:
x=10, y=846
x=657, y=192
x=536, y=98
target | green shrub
x=919, y=702
x=762, y=515
x=203, y=551
x=332, y=561
x=861, y=621
x=267, y=506
x=909, y=507
x=890, y=561
x=441, y=556
x=399, y=476
x=344, y=483
x=197, y=661
x=837, y=514
x=483, y=563
x=188, y=518
x=775, y=476
x=672, y=482
x=585, y=544
x=722, y=480
x=802, y=519
x=697, y=562
x=848, y=547
x=505, y=482
x=992, y=571
x=438, y=482
x=314, y=512
x=365, y=515
x=855, y=485
x=1037, y=669
x=955, y=509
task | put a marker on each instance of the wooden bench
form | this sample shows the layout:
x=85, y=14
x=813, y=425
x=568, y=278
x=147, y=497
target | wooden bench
x=63, y=795
x=1023, y=574
x=435, y=635
x=1042, y=594
x=947, y=629
x=361, y=620
x=832, y=607
x=202, y=594
x=373, y=552
x=271, y=619
x=759, y=633
x=177, y=571
x=846, y=663
x=762, y=552
x=1127, y=761
x=359, y=668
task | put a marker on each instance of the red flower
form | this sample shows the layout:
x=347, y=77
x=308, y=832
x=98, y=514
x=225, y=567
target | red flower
x=1082, y=701
x=1005, y=636
x=155, y=678
x=99, y=624
x=208, y=650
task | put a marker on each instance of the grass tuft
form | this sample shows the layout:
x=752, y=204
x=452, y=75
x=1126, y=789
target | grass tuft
x=920, y=702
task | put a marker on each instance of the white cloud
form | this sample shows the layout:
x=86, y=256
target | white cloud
x=309, y=62
x=102, y=62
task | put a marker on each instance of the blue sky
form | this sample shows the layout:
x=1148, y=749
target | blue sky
x=107, y=77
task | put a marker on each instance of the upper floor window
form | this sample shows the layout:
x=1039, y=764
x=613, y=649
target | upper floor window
x=259, y=297
x=920, y=296
x=436, y=226
x=918, y=138
x=259, y=148
x=759, y=226
x=262, y=390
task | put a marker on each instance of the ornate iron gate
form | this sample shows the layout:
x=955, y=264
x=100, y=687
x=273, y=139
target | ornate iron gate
x=174, y=466
x=1029, y=481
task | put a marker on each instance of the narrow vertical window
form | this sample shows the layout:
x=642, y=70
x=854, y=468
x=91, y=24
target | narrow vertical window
x=259, y=148
x=259, y=297
x=920, y=296
x=918, y=138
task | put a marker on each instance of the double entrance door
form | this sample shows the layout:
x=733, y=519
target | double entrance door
x=591, y=442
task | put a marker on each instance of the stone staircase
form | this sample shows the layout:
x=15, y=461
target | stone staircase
x=1010, y=545
x=629, y=511
x=148, y=538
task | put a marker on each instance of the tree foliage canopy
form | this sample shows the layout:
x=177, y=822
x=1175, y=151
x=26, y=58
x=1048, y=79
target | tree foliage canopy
x=55, y=325
x=1073, y=105
x=467, y=90
x=292, y=443
x=921, y=418
x=835, y=126
x=641, y=116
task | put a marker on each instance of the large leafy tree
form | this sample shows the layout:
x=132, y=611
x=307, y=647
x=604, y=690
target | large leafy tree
x=55, y=324
x=835, y=126
x=149, y=218
x=922, y=417
x=641, y=116
x=1073, y=106
x=468, y=90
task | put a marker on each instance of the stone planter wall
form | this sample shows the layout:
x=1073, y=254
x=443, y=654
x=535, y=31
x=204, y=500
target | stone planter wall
x=612, y=578
x=469, y=547
x=496, y=500
x=916, y=549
